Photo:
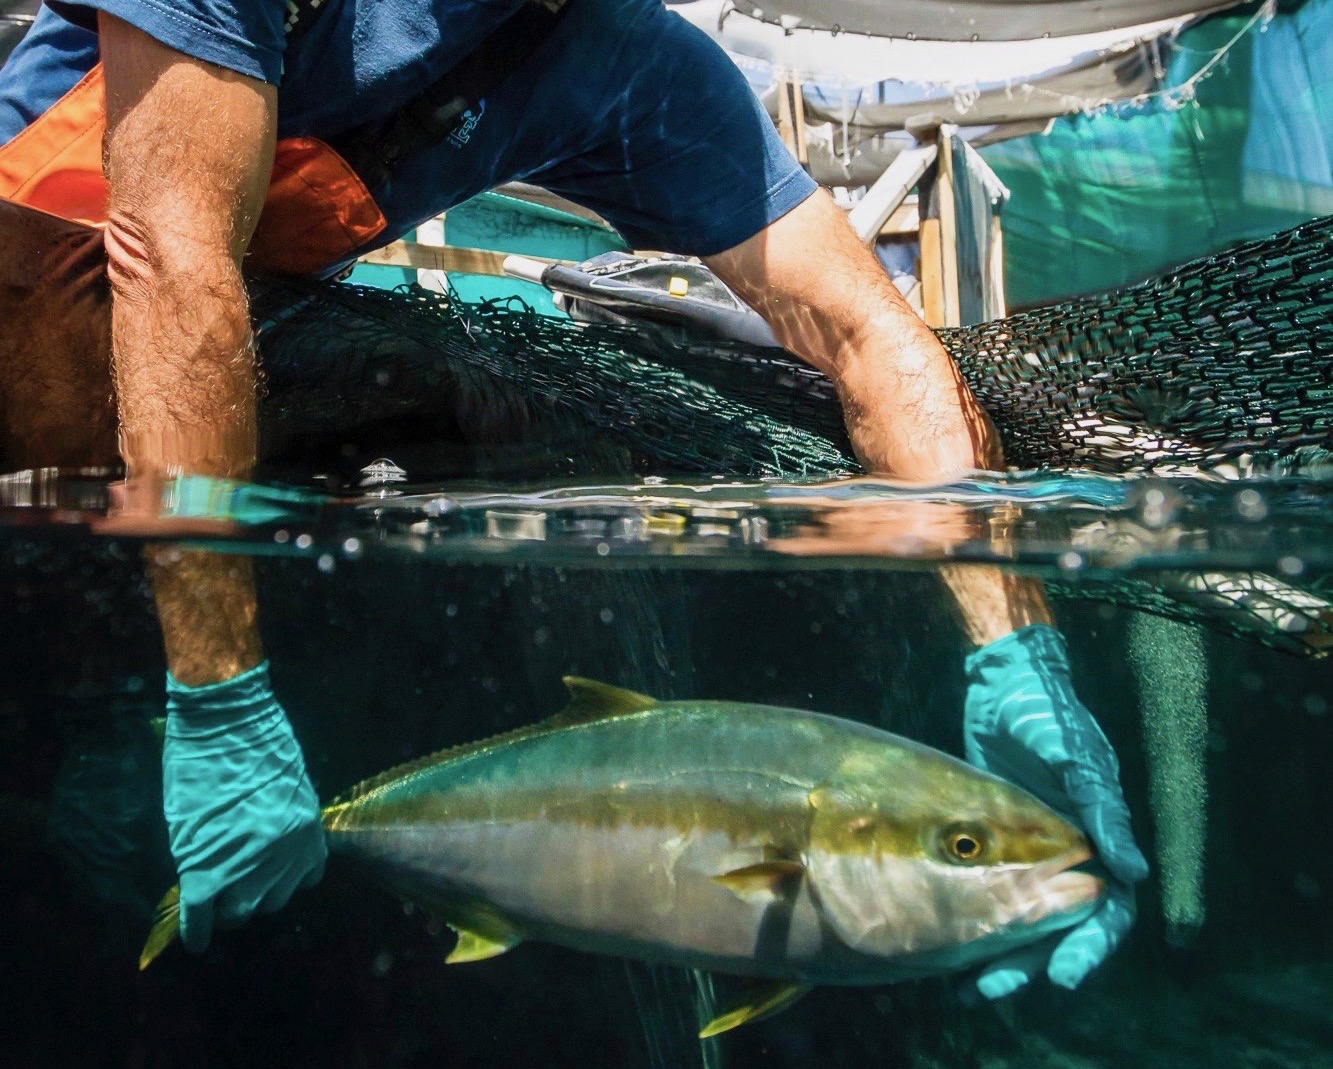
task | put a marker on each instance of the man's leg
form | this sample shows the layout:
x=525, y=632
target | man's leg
x=56, y=397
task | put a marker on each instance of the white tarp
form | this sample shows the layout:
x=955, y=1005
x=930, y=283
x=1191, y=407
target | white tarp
x=972, y=20
x=860, y=92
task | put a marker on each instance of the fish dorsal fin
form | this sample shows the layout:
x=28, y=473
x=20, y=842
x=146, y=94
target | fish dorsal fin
x=589, y=702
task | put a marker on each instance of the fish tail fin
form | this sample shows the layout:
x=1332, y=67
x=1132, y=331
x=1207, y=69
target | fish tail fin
x=166, y=927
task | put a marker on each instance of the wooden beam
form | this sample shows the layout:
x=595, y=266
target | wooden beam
x=444, y=258
x=931, y=274
x=944, y=185
x=891, y=188
x=999, y=303
x=906, y=219
x=798, y=121
x=786, y=124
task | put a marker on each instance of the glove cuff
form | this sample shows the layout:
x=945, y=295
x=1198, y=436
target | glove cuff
x=1028, y=647
x=196, y=711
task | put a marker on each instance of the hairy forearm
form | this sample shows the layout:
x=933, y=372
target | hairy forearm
x=909, y=412
x=182, y=207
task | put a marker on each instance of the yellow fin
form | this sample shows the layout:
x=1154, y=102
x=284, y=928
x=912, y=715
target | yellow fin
x=166, y=927
x=590, y=700
x=765, y=878
x=474, y=946
x=758, y=1001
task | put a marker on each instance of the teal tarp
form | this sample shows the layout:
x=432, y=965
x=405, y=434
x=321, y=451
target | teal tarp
x=1111, y=198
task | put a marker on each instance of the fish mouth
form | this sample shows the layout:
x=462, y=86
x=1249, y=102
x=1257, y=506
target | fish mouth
x=1056, y=888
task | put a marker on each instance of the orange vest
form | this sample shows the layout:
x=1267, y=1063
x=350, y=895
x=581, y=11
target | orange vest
x=316, y=213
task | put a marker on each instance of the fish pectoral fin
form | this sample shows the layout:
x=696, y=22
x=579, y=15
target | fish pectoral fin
x=166, y=927
x=756, y=1002
x=765, y=878
x=478, y=946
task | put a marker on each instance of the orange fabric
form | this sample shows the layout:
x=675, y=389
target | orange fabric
x=317, y=210
x=55, y=164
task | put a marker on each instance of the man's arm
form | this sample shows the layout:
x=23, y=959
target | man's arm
x=908, y=410
x=910, y=414
x=188, y=154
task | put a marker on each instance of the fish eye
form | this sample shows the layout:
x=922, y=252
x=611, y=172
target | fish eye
x=963, y=844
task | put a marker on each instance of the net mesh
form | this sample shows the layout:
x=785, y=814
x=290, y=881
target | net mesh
x=1227, y=361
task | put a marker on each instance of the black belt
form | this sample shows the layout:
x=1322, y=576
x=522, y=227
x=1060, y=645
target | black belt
x=443, y=109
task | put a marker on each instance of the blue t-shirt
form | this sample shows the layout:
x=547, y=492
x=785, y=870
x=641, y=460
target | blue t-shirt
x=625, y=108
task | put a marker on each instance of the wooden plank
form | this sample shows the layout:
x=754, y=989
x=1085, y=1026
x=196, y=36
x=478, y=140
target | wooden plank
x=999, y=303
x=891, y=188
x=931, y=274
x=786, y=124
x=906, y=219
x=798, y=121
x=944, y=179
x=444, y=258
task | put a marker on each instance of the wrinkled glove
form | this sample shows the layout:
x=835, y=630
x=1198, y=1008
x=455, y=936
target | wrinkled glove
x=1023, y=723
x=241, y=813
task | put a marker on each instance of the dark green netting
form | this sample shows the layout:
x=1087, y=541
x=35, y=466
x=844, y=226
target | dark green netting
x=1225, y=358
x=1226, y=361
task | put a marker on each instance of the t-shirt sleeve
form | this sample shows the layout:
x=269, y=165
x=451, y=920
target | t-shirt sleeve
x=693, y=163
x=245, y=36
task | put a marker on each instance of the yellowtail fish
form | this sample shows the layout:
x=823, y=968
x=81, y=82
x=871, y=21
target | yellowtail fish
x=787, y=846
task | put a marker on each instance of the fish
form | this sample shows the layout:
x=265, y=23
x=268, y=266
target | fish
x=792, y=848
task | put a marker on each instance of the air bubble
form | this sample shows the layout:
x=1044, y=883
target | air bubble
x=1251, y=505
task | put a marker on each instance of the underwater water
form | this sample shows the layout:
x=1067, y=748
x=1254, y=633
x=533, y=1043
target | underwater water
x=400, y=619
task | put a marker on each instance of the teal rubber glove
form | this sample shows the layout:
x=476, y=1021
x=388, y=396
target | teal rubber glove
x=1023, y=722
x=242, y=816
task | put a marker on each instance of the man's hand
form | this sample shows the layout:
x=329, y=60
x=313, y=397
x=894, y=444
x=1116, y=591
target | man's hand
x=242, y=815
x=1024, y=723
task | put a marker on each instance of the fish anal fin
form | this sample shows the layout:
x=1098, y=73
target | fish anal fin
x=767, y=878
x=473, y=945
x=166, y=927
x=756, y=1002
x=590, y=700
